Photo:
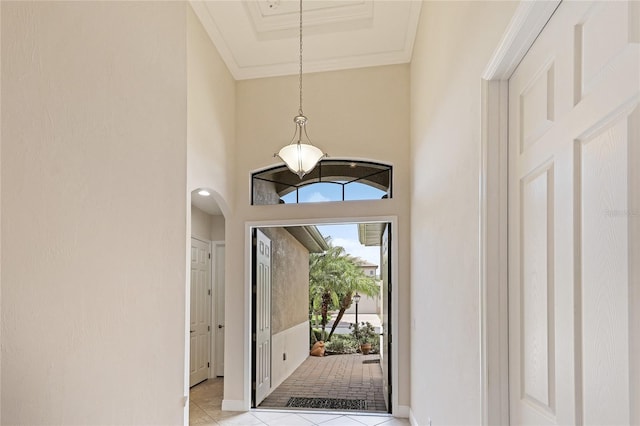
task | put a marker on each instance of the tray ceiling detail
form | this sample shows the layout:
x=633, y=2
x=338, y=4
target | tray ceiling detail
x=260, y=38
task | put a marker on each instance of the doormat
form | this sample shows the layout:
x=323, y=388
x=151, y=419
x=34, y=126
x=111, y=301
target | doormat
x=328, y=403
x=371, y=361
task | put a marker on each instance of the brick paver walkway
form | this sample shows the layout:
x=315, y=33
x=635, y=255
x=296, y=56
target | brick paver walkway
x=333, y=376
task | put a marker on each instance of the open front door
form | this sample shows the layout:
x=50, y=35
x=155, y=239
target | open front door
x=385, y=347
x=262, y=317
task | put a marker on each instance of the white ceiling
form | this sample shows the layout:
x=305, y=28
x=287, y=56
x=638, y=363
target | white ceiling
x=259, y=38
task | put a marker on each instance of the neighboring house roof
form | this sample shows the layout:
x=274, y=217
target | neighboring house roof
x=310, y=237
x=365, y=264
x=370, y=234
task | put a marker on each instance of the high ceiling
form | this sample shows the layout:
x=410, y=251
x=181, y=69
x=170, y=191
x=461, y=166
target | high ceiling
x=259, y=38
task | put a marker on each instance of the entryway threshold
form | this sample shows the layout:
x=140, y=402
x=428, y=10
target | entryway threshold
x=330, y=412
x=281, y=417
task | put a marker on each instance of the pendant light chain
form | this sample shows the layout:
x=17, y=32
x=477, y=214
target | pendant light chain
x=300, y=155
x=300, y=108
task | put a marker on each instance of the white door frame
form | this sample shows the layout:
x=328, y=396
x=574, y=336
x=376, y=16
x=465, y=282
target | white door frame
x=525, y=26
x=215, y=296
x=248, y=256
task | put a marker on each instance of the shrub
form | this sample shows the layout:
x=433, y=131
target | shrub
x=341, y=344
x=364, y=333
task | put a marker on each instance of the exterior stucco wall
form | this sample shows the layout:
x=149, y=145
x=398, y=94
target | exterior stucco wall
x=289, y=280
x=264, y=193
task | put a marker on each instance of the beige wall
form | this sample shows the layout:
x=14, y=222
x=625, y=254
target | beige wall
x=361, y=113
x=201, y=224
x=211, y=136
x=217, y=228
x=211, y=117
x=93, y=214
x=454, y=43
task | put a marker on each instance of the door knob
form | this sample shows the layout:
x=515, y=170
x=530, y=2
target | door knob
x=220, y=325
x=192, y=331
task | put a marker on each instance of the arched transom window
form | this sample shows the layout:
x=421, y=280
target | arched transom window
x=331, y=180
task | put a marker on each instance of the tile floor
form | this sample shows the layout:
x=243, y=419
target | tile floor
x=206, y=400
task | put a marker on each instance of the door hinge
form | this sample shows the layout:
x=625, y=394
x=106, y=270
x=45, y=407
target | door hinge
x=208, y=328
x=209, y=255
x=208, y=365
x=209, y=292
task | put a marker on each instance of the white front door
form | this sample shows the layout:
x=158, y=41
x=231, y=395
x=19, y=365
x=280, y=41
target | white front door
x=385, y=349
x=219, y=256
x=200, y=312
x=263, y=316
x=574, y=218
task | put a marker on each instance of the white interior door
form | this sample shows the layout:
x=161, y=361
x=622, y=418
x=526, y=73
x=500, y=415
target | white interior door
x=263, y=316
x=574, y=219
x=219, y=256
x=200, y=312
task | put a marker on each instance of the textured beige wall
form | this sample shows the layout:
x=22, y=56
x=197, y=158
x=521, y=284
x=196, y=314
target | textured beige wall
x=264, y=193
x=289, y=280
x=454, y=43
x=93, y=214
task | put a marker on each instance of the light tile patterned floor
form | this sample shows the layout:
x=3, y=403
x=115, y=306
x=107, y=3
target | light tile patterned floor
x=205, y=409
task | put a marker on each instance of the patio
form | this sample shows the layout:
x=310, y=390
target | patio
x=351, y=377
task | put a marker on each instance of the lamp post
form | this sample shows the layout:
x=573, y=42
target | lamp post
x=356, y=298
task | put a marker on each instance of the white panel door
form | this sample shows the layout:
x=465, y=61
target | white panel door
x=219, y=271
x=263, y=316
x=200, y=333
x=574, y=218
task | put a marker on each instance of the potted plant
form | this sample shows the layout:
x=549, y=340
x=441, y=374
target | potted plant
x=365, y=335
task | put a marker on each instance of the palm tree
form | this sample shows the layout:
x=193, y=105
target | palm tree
x=334, y=276
x=356, y=282
x=324, y=272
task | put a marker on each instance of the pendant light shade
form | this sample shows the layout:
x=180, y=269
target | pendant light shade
x=300, y=156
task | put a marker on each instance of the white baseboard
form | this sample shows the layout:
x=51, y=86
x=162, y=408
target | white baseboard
x=234, y=405
x=401, y=411
x=412, y=418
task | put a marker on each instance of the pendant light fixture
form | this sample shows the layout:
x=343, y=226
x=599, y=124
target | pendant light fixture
x=300, y=156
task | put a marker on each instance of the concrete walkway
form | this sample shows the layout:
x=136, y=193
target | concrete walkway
x=348, y=319
x=334, y=376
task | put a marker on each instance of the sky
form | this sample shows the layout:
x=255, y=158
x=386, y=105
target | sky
x=343, y=235
x=346, y=235
x=324, y=191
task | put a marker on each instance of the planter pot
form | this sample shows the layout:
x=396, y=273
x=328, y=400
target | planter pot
x=365, y=348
